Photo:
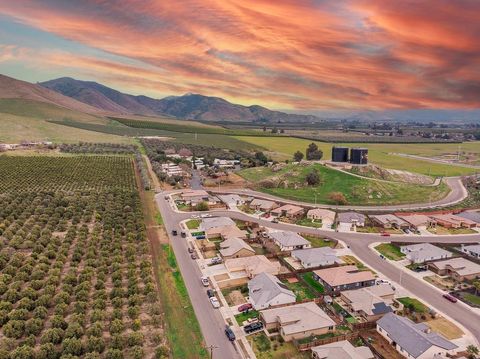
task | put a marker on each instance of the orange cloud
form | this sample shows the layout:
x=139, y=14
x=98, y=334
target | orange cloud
x=302, y=54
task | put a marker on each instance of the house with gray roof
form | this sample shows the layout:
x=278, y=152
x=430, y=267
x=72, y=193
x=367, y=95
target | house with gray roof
x=413, y=340
x=214, y=222
x=341, y=350
x=316, y=257
x=266, y=290
x=424, y=252
x=471, y=215
x=231, y=200
x=389, y=221
x=235, y=248
x=352, y=218
x=471, y=250
x=289, y=241
x=297, y=321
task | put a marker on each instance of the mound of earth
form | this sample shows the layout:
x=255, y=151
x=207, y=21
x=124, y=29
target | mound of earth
x=388, y=174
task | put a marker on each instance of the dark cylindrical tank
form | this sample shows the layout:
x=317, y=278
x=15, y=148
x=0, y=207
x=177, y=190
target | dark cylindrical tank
x=359, y=156
x=339, y=154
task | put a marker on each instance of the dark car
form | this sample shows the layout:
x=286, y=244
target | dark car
x=450, y=297
x=174, y=232
x=250, y=328
x=190, y=250
x=183, y=234
x=245, y=307
x=210, y=293
x=193, y=256
x=229, y=333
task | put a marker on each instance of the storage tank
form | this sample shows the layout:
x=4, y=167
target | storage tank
x=339, y=154
x=359, y=156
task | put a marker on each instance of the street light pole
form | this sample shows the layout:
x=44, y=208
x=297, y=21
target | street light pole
x=211, y=348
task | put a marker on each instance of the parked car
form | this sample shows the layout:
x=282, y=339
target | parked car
x=183, y=234
x=274, y=220
x=419, y=269
x=250, y=328
x=195, y=216
x=215, y=302
x=406, y=231
x=229, y=333
x=385, y=234
x=210, y=293
x=382, y=256
x=245, y=307
x=205, y=281
x=193, y=256
x=450, y=297
x=174, y=232
x=191, y=250
x=206, y=215
x=216, y=260
x=166, y=197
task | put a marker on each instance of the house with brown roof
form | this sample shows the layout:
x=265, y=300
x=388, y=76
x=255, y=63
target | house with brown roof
x=193, y=196
x=342, y=278
x=262, y=205
x=297, y=321
x=324, y=215
x=388, y=221
x=235, y=248
x=251, y=266
x=341, y=350
x=458, y=268
x=418, y=221
x=289, y=210
x=289, y=241
x=450, y=220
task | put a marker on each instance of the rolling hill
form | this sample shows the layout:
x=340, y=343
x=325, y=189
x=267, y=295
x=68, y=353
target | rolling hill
x=188, y=106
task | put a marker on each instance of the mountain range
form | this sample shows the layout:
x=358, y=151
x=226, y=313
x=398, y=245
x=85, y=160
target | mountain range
x=188, y=106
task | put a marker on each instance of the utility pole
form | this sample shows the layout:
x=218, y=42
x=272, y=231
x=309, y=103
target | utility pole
x=211, y=348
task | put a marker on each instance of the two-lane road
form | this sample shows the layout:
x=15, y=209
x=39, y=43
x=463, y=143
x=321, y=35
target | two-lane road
x=211, y=321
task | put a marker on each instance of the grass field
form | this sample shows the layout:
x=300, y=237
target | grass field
x=308, y=277
x=300, y=290
x=240, y=318
x=417, y=306
x=283, y=148
x=390, y=251
x=319, y=242
x=289, y=182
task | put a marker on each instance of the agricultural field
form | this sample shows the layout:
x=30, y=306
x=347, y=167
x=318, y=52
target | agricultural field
x=76, y=276
x=380, y=154
x=290, y=182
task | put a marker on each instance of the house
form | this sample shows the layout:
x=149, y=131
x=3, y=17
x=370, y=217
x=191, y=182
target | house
x=316, y=257
x=341, y=350
x=232, y=200
x=215, y=222
x=194, y=195
x=351, y=218
x=458, y=268
x=389, y=221
x=472, y=250
x=423, y=252
x=288, y=241
x=337, y=279
x=172, y=169
x=289, y=211
x=251, y=266
x=320, y=214
x=226, y=232
x=217, y=162
x=297, y=321
x=413, y=340
x=262, y=205
x=369, y=303
x=471, y=215
x=452, y=221
x=418, y=221
x=266, y=290
x=235, y=248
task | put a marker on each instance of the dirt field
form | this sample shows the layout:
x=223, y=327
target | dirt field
x=445, y=327
x=236, y=298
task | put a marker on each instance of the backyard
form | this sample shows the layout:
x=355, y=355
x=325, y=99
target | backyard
x=308, y=277
x=193, y=224
x=413, y=304
x=318, y=242
x=390, y=251
x=301, y=291
x=274, y=348
x=309, y=223
x=246, y=316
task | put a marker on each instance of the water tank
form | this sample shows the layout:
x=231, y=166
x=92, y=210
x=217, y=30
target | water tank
x=359, y=156
x=339, y=154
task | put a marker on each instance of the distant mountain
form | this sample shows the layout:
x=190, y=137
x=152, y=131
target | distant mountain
x=188, y=106
x=11, y=88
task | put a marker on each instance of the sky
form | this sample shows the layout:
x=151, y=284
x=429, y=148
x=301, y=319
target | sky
x=301, y=55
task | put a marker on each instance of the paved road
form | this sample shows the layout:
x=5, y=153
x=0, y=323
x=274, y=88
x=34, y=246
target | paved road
x=457, y=194
x=358, y=243
x=211, y=321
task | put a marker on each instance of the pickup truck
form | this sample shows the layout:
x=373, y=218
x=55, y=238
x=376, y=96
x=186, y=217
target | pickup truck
x=250, y=328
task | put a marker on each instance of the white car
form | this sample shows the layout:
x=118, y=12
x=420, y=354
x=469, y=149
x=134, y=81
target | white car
x=206, y=215
x=195, y=216
x=215, y=302
x=216, y=260
x=205, y=281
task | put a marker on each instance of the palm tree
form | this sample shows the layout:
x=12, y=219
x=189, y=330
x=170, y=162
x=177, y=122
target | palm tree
x=473, y=351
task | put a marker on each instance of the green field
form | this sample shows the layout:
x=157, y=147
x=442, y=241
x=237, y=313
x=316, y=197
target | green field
x=415, y=304
x=390, y=251
x=289, y=182
x=283, y=148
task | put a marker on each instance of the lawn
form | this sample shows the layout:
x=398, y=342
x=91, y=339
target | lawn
x=380, y=154
x=301, y=291
x=390, y=251
x=245, y=316
x=308, y=277
x=354, y=261
x=309, y=223
x=439, y=230
x=413, y=303
x=290, y=182
x=319, y=242
x=193, y=224
x=472, y=298
x=274, y=348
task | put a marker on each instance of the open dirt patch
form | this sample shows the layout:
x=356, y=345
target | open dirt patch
x=445, y=327
x=236, y=297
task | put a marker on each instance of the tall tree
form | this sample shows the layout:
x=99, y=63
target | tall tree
x=298, y=156
x=313, y=153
